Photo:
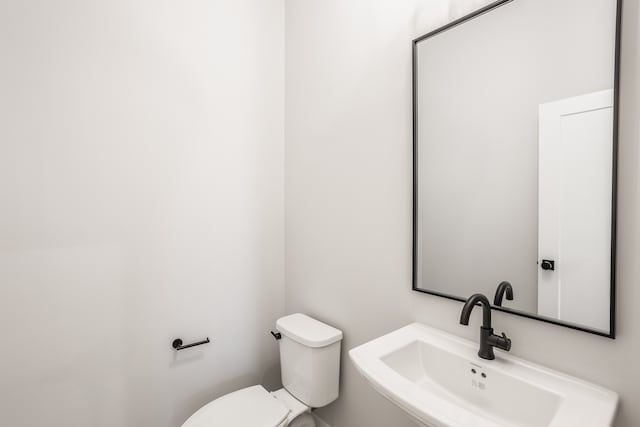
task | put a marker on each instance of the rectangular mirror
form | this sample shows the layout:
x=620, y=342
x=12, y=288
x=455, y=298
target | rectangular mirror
x=515, y=148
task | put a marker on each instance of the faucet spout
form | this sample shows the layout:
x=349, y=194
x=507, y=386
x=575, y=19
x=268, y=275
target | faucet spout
x=468, y=308
x=503, y=288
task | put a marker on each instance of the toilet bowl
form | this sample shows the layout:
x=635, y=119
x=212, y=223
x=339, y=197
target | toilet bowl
x=310, y=365
x=253, y=406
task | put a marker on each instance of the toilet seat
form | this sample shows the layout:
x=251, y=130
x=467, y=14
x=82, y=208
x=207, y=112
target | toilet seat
x=248, y=407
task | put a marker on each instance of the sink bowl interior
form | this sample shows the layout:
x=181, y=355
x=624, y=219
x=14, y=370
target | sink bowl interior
x=504, y=398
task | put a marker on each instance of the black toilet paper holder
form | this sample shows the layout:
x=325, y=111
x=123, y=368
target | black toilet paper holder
x=177, y=344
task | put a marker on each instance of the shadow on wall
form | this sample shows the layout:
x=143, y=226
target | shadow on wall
x=431, y=15
x=460, y=8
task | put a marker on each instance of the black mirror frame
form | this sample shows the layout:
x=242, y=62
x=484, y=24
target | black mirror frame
x=616, y=103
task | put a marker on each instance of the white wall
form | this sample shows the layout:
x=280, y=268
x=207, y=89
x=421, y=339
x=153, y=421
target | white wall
x=141, y=199
x=348, y=201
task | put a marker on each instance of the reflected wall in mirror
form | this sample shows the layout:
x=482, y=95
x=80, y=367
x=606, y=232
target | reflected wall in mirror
x=515, y=142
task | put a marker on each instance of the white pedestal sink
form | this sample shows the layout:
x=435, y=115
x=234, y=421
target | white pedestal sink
x=439, y=379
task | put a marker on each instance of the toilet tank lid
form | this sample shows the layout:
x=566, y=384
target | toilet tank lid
x=308, y=331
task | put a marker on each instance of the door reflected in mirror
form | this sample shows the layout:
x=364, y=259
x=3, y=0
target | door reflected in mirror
x=515, y=148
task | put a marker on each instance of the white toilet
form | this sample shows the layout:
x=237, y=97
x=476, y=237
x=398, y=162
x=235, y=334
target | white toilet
x=310, y=365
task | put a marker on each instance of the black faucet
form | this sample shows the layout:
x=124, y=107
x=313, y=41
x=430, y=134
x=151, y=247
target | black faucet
x=502, y=288
x=487, y=339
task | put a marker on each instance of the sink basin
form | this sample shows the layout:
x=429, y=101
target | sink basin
x=439, y=380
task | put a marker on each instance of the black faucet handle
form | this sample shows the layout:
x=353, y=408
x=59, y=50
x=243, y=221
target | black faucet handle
x=504, y=343
x=501, y=342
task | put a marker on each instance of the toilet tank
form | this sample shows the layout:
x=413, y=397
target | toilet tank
x=309, y=359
